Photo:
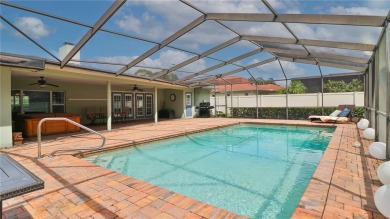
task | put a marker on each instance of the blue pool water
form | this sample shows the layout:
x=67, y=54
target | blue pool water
x=258, y=171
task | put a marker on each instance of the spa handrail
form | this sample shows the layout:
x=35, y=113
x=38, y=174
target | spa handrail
x=66, y=149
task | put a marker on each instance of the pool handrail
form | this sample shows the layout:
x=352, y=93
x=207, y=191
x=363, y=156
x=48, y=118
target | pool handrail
x=39, y=136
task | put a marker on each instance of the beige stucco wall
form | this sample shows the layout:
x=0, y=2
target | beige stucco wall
x=201, y=95
x=5, y=107
x=177, y=105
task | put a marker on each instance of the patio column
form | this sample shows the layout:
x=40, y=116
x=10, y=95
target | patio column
x=5, y=112
x=155, y=105
x=109, y=106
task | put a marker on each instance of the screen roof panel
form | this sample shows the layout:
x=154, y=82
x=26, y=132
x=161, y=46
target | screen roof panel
x=152, y=20
x=377, y=7
x=341, y=33
x=203, y=37
x=74, y=10
x=271, y=29
x=248, y=6
x=232, y=51
x=114, y=48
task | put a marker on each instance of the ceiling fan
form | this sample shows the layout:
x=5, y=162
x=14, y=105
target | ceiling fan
x=42, y=83
x=136, y=88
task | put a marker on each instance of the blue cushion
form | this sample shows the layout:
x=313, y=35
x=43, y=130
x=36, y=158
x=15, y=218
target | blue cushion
x=344, y=113
x=335, y=113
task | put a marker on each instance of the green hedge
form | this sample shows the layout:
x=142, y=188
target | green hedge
x=297, y=113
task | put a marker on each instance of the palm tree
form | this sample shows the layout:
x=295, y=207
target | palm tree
x=296, y=87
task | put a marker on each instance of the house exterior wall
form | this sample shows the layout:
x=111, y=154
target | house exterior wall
x=201, y=95
x=177, y=105
x=5, y=107
x=79, y=97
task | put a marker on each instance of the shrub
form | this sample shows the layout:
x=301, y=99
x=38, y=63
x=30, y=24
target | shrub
x=295, y=113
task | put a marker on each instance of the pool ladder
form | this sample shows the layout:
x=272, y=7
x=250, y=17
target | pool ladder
x=39, y=134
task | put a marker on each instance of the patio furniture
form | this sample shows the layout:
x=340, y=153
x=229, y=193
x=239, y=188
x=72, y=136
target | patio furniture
x=16, y=180
x=342, y=114
x=91, y=114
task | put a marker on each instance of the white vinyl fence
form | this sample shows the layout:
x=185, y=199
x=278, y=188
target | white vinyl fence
x=294, y=100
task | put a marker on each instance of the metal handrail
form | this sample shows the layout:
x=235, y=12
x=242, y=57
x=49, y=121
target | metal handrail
x=66, y=149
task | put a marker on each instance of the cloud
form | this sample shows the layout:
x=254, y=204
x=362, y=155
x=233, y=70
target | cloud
x=165, y=18
x=146, y=25
x=358, y=11
x=166, y=60
x=33, y=27
x=357, y=34
x=273, y=70
x=1, y=25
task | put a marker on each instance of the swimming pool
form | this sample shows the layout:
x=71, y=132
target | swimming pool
x=259, y=171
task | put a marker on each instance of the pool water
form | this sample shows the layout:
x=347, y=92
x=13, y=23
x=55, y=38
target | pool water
x=259, y=171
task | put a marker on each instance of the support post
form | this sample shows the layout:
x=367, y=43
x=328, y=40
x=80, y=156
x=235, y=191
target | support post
x=5, y=112
x=109, y=111
x=322, y=90
x=231, y=99
x=155, y=105
x=388, y=96
x=215, y=102
x=286, y=98
x=226, y=104
x=257, y=102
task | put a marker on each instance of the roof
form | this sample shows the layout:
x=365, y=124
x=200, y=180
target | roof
x=248, y=87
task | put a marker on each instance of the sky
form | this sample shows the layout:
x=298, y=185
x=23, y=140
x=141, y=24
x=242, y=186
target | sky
x=156, y=20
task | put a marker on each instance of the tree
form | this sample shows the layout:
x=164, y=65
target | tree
x=335, y=86
x=261, y=80
x=355, y=85
x=148, y=74
x=341, y=86
x=296, y=87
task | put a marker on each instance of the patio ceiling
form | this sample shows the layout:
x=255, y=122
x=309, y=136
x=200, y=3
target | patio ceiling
x=266, y=49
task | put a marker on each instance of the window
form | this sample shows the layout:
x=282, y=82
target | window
x=129, y=104
x=117, y=104
x=36, y=102
x=188, y=99
x=58, y=102
x=148, y=104
x=140, y=104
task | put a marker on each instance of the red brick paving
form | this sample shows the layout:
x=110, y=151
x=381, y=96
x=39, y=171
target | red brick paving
x=341, y=187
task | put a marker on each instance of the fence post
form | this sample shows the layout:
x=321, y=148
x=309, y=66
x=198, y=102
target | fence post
x=261, y=100
x=318, y=99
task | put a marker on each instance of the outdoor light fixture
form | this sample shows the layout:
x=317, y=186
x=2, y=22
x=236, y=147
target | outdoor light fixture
x=382, y=200
x=369, y=134
x=363, y=124
x=377, y=150
x=383, y=173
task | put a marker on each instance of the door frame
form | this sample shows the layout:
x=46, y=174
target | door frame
x=185, y=99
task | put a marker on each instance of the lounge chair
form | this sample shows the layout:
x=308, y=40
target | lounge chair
x=343, y=114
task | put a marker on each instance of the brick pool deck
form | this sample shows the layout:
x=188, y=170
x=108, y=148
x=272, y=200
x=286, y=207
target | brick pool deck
x=342, y=186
